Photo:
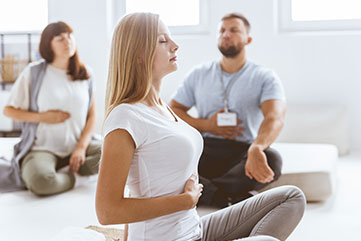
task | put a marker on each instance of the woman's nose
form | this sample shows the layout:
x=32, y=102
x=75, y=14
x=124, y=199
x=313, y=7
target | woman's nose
x=175, y=47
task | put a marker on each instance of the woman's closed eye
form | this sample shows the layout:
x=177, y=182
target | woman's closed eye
x=162, y=38
x=59, y=39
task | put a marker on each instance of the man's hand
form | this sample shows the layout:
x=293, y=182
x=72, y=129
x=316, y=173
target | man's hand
x=257, y=167
x=77, y=159
x=229, y=132
x=54, y=116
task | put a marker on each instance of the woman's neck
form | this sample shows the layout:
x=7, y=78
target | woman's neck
x=153, y=97
x=60, y=63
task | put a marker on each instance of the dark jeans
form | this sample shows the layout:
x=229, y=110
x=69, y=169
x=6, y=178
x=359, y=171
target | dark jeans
x=222, y=170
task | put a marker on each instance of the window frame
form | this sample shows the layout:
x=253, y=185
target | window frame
x=28, y=31
x=286, y=24
x=201, y=28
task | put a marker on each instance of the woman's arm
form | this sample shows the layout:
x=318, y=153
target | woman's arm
x=89, y=128
x=125, y=233
x=49, y=117
x=111, y=205
x=77, y=157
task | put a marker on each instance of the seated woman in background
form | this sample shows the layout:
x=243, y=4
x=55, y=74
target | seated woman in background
x=155, y=153
x=54, y=101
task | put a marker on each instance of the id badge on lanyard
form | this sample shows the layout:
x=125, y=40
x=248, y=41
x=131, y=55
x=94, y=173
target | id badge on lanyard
x=226, y=118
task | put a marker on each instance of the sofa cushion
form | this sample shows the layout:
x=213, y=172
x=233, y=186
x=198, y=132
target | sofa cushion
x=311, y=167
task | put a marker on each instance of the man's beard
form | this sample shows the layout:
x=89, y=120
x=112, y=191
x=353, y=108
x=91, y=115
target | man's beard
x=231, y=51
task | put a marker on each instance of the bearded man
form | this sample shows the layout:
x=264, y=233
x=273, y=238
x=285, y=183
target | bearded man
x=241, y=107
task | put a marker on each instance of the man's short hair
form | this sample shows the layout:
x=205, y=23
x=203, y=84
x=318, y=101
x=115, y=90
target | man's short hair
x=240, y=16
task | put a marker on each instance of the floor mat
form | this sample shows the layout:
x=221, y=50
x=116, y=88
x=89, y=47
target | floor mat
x=111, y=234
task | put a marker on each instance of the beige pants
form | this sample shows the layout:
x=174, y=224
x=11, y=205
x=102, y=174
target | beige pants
x=39, y=170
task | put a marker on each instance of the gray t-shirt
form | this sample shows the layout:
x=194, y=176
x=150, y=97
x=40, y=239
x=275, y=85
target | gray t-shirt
x=253, y=85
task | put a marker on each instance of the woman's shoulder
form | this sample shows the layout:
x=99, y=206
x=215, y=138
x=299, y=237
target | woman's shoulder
x=125, y=110
x=40, y=62
x=89, y=70
x=124, y=115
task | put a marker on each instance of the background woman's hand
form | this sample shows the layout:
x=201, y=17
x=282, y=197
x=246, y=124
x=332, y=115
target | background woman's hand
x=77, y=159
x=193, y=189
x=54, y=116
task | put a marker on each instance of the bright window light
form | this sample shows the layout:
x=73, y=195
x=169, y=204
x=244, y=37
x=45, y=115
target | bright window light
x=23, y=15
x=172, y=12
x=318, y=10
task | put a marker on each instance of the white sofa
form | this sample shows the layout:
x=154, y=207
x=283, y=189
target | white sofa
x=310, y=142
x=6, y=124
x=311, y=167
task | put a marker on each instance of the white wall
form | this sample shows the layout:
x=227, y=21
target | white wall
x=91, y=24
x=315, y=69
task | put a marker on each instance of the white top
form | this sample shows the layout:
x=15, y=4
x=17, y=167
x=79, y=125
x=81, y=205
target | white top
x=57, y=92
x=167, y=154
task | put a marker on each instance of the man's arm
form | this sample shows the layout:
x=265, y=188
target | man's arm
x=181, y=111
x=274, y=112
x=206, y=125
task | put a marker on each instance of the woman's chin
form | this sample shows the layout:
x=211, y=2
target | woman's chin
x=173, y=70
x=174, y=66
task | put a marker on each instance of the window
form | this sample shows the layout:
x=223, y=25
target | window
x=182, y=16
x=319, y=15
x=23, y=15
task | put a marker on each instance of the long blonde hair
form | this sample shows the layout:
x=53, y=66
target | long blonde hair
x=131, y=58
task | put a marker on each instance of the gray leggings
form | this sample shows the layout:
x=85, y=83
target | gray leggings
x=268, y=216
x=39, y=170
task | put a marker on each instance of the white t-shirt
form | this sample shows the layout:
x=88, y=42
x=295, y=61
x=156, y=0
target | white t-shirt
x=167, y=154
x=57, y=92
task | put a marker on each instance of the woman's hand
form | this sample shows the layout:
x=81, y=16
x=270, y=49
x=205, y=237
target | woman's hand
x=77, y=159
x=54, y=116
x=193, y=189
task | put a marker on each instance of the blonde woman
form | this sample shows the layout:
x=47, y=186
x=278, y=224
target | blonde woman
x=155, y=153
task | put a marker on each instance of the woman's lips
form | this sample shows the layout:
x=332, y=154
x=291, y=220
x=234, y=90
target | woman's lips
x=173, y=59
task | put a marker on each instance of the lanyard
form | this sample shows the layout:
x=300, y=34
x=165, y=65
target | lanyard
x=227, y=90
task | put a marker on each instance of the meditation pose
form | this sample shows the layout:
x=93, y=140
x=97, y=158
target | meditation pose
x=241, y=107
x=153, y=152
x=53, y=98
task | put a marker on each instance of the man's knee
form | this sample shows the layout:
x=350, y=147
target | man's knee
x=274, y=160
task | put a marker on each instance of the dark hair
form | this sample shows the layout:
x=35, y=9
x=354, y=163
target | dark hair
x=76, y=68
x=240, y=16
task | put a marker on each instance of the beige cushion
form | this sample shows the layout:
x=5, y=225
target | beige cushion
x=311, y=167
